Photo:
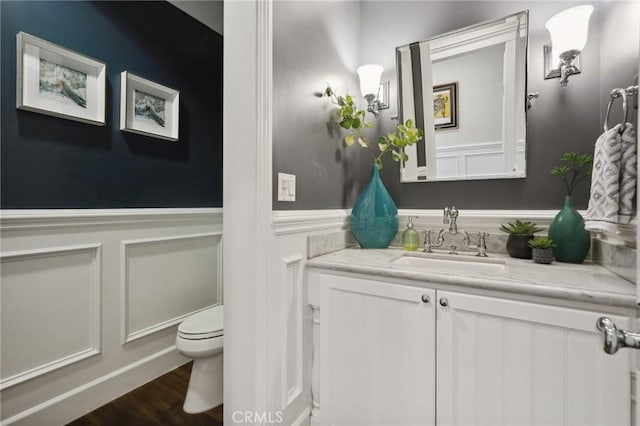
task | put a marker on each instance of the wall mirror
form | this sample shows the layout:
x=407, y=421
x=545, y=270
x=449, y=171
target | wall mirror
x=466, y=89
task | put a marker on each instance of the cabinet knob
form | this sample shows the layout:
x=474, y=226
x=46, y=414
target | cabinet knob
x=444, y=301
x=426, y=298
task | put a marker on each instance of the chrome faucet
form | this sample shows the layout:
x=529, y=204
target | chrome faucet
x=450, y=217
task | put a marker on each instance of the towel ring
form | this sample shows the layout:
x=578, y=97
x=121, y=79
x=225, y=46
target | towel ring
x=615, y=93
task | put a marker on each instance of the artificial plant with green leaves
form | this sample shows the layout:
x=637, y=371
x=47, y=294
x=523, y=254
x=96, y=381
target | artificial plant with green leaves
x=541, y=243
x=520, y=228
x=353, y=120
x=574, y=168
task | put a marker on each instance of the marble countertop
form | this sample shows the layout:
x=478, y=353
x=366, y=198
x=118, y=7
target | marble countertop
x=585, y=282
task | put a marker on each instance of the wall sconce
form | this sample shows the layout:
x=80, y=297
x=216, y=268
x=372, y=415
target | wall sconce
x=568, y=30
x=370, y=85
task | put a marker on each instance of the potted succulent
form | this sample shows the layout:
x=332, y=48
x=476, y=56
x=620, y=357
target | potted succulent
x=374, y=216
x=519, y=235
x=567, y=229
x=542, y=249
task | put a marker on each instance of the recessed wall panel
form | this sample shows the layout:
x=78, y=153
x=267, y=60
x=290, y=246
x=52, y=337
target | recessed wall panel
x=291, y=329
x=49, y=310
x=167, y=279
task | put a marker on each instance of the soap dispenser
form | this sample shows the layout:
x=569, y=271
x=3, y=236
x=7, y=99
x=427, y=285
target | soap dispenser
x=410, y=237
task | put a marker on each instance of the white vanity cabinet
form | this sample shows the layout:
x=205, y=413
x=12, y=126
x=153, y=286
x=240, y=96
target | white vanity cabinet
x=506, y=362
x=377, y=353
x=397, y=354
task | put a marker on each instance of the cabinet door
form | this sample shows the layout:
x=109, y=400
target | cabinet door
x=503, y=362
x=377, y=353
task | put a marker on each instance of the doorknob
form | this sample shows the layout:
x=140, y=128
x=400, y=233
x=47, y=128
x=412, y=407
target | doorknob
x=614, y=338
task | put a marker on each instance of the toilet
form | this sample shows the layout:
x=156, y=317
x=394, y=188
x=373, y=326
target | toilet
x=200, y=337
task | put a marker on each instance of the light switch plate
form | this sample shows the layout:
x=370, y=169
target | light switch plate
x=286, y=187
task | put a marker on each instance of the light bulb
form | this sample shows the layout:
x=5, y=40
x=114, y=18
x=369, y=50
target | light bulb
x=370, y=79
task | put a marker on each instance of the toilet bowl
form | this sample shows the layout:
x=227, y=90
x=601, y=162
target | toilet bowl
x=200, y=337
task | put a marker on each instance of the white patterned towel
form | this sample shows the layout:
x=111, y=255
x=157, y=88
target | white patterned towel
x=613, y=180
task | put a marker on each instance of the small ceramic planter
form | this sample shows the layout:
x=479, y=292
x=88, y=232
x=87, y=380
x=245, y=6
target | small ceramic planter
x=541, y=255
x=518, y=246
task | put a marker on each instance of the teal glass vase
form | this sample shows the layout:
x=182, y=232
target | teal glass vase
x=567, y=231
x=374, y=217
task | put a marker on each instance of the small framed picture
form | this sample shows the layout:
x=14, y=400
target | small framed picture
x=148, y=108
x=56, y=81
x=445, y=106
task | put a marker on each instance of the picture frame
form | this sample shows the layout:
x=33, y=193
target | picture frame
x=445, y=106
x=59, y=82
x=148, y=108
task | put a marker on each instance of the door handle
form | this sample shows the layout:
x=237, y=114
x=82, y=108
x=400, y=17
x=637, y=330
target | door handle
x=615, y=338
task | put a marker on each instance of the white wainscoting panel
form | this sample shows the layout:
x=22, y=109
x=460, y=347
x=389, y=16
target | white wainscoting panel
x=448, y=166
x=50, y=310
x=292, y=303
x=292, y=320
x=477, y=164
x=480, y=160
x=164, y=280
x=64, y=308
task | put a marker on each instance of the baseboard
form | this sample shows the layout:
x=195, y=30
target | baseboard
x=304, y=419
x=86, y=398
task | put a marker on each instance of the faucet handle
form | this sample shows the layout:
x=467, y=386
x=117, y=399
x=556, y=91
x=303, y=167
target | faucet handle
x=427, y=241
x=482, y=244
x=445, y=216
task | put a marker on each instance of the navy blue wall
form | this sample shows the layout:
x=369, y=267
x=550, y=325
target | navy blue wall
x=49, y=162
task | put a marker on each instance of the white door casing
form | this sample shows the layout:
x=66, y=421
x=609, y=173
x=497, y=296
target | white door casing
x=247, y=208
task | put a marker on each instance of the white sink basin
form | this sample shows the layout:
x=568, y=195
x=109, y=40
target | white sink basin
x=451, y=263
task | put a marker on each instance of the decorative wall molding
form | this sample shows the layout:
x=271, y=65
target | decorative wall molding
x=480, y=219
x=95, y=268
x=301, y=221
x=471, y=160
x=129, y=335
x=310, y=221
x=56, y=218
x=449, y=44
x=623, y=234
x=69, y=389
x=107, y=386
x=304, y=221
x=315, y=365
x=493, y=146
x=250, y=270
x=303, y=418
x=291, y=327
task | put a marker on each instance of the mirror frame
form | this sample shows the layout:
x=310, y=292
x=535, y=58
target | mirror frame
x=422, y=175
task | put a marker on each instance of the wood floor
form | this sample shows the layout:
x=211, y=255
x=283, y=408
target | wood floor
x=156, y=403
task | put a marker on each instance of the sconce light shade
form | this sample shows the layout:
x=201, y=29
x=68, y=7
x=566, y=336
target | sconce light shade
x=569, y=29
x=370, y=79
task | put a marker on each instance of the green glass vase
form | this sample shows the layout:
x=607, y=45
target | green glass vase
x=567, y=232
x=374, y=217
